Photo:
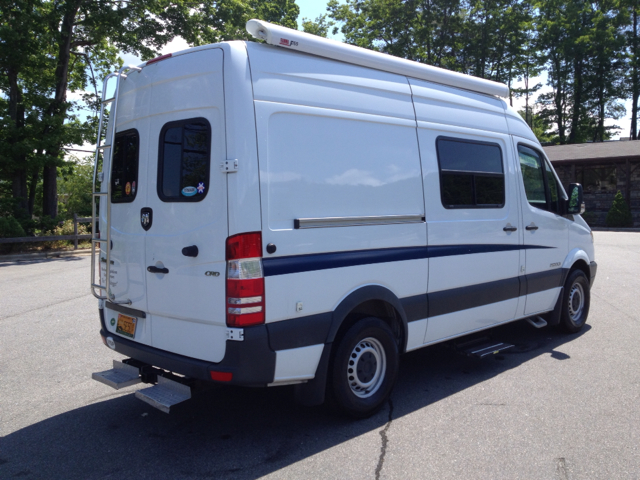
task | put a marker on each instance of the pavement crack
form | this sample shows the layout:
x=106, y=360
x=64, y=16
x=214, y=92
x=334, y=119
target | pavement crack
x=45, y=306
x=561, y=468
x=385, y=441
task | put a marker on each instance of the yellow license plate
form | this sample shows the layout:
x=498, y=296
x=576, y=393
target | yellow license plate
x=126, y=325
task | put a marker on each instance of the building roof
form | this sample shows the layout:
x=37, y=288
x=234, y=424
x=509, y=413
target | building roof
x=592, y=152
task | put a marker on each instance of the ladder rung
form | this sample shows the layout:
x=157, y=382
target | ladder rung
x=100, y=147
x=98, y=193
x=108, y=100
x=101, y=287
x=98, y=239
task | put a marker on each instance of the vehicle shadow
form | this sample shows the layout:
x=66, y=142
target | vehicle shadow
x=53, y=258
x=243, y=433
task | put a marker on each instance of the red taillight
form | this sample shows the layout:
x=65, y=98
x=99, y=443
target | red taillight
x=221, y=376
x=245, y=245
x=158, y=59
x=245, y=281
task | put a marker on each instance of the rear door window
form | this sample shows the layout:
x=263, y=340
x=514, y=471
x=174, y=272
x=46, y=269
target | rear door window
x=124, y=167
x=184, y=163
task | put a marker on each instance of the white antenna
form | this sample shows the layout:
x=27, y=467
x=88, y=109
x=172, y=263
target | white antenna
x=324, y=47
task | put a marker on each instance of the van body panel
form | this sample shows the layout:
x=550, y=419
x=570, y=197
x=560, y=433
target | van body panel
x=187, y=302
x=447, y=326
x=284, y=292
x=297, y=364
x=289, y=77
x=548, y=244
x=375, y=158
x=451, y=106
x=517, y=125
x=495, y=253
x=243, y=186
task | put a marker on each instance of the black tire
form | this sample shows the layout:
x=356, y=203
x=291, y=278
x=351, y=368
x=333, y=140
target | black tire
x=576, y=298
x=364, y=368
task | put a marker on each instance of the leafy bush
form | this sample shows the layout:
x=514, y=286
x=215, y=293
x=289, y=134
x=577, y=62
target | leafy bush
x=10, y=228
x=619, y=215
x=64, y=228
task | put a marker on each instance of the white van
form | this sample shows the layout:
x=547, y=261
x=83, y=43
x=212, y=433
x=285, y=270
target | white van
x=302, y=211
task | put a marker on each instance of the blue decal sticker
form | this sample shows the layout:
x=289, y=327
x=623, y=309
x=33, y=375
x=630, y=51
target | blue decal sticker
x=200, y=187
x=189, y=191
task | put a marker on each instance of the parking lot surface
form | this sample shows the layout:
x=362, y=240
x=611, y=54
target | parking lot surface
x=554, y=407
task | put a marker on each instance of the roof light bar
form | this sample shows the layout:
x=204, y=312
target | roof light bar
x=324, y=47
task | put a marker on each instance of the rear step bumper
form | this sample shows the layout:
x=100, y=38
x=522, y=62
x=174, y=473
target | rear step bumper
x=251, y=362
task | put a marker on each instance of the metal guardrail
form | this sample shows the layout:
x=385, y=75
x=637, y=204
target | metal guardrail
x=54, y=238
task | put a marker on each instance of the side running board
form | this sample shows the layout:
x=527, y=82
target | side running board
x=480, y=347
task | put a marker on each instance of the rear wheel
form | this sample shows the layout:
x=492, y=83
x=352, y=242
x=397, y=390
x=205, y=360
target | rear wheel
x=364, y=368
x=575, y=302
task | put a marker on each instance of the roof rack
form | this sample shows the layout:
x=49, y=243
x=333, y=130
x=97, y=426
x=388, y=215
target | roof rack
x=324, y=47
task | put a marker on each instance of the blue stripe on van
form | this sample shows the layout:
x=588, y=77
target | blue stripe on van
x=325, y=261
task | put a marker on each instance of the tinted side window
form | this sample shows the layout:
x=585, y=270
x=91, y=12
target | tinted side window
x=552, y=183
x=185, y=157
x=471, y=174
x=540, y=184
x=532, y=176
x=124, y=167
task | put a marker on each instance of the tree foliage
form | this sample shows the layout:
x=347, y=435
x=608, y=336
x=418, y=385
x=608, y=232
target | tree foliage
x=619, y=215
x=589, y=50
x=50, y=54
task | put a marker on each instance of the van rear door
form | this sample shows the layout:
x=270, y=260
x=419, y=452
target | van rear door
x=184, y=215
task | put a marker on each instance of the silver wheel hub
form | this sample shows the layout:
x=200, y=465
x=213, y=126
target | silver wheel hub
x=366, y=367
x=576, y=302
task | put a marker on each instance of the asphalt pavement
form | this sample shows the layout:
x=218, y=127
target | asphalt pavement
x=554, y=407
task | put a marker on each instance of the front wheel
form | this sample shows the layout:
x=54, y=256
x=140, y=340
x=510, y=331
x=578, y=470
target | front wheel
x=365, y=367
x=575, y=302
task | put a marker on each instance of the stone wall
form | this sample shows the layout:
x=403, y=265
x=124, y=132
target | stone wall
x=599, y=203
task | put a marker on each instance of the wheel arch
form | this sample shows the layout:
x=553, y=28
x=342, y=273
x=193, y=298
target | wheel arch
x=577, y=259
x=370, y=301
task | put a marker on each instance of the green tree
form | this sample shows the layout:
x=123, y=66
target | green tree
x=50, y=49
x=619, y=216
x=320, y=26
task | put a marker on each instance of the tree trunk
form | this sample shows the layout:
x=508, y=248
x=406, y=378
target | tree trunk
x=50, y=191
x=16, y=114
x=32, y=191
x=577, y=101
x=635, y=82
x=58, y=108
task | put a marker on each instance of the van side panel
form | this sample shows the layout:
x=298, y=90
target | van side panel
x=335, y=140
x=474, y=263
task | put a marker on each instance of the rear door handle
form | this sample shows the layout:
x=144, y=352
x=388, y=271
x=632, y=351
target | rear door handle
x=153, y=269
x=533, y=226
x=510, y=228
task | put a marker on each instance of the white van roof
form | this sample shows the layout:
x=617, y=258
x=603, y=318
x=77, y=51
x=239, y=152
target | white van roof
x=324, y=47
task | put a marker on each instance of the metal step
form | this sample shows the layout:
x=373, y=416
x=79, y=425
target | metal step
x=120, y=376
x=165, y=394
x=537, y=322
x=481, y=347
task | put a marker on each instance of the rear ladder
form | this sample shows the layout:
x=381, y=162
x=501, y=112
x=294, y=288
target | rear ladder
x=102, y=292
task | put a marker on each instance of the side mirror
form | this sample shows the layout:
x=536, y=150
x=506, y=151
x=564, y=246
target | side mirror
x=575, y=204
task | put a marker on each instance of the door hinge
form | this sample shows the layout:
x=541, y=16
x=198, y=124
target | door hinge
x=229, y=166
x=236, y=334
